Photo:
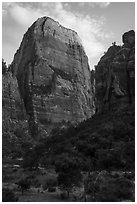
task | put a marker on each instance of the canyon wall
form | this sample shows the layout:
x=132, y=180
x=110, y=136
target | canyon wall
x=12, y=103
x=53, y=75
x=115, y=75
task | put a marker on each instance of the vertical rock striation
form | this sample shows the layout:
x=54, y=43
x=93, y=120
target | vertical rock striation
x=12, y=104
x=53, y=75
x=115, y=74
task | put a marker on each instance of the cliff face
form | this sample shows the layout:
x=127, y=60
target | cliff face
x=115, y=74
x=12, y=104
x=53, y=75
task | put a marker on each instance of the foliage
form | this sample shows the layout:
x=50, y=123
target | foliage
x=69, y=172
x=107, y=187
x=51, y=189
x=32, y=153
x=15, y=134
x=114, y=190
x=35, y=182
x=8, y=195
x=106, y=139
x=50, y=181
x=109, y=159
x=24, y=184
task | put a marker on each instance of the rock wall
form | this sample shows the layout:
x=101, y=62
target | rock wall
x=12, y=104
x=53, y=75
x=115, y=75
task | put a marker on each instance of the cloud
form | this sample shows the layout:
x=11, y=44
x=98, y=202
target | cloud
x=89, y=29
x=103, y=4
x=94, y=4
x=21, y=15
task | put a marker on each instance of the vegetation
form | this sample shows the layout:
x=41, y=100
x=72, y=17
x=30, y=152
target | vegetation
x=8, y=195
x=115, y=190
x=50, y=182
x=69, y=172
x=106, y=187
x=24, y=184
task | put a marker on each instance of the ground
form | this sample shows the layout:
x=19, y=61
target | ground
x=39, y=197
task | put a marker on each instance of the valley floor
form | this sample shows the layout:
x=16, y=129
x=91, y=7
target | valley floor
x=39, y=197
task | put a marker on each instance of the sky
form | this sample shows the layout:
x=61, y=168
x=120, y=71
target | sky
x=97, y=23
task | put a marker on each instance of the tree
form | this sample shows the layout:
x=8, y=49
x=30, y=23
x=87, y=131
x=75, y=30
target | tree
x=4, y=67
x=32, y=154
x=8, y=195
x=114, y=190
x=106, y=187
x=69, y=172
x=24, y=184
x=109, y=159
x=30, y=159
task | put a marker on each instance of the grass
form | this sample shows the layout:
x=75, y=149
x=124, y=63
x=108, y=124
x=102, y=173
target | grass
x=39, y=197
x=29, y=196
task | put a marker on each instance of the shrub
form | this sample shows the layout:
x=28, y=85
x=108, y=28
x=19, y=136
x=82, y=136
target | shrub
x=114, y=190
x=50, y=182
x=51, y=189
x=63, y=195
x=130, y=175
x=8, y=195
x=24, y=184
x=36, y=183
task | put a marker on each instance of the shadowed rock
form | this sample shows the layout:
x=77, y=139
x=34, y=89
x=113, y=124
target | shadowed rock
x=115, y=74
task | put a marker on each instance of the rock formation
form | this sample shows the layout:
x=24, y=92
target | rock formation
x=53, y=75
x=12, y=104
x=115, y=74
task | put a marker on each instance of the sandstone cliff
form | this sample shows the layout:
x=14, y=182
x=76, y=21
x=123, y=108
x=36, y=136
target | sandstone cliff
x=14, y=120
x=115, y=74
x=12, y=104
x=53, y=75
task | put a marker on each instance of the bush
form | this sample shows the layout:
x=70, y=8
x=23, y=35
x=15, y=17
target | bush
x=114, y=190
x=50, y=182
x=24, y=184
x=8, y=195
x=130, y=175
x=36, y=183
x=63, y=195
x=116, y=175
x=51, y=189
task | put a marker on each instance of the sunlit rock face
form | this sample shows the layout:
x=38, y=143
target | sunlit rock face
x=115, y=74
x=53, y=75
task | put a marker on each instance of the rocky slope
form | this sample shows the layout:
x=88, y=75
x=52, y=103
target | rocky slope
x=115, y=74
x=53, y=75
